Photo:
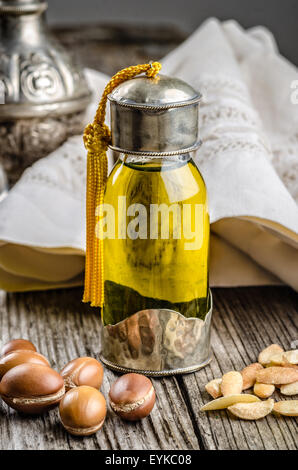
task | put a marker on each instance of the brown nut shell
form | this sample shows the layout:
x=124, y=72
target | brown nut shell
x=32, y=388
x=15, y=358
x=16, y=344
x=132, y=396
x=83, y=410
x=82, y=371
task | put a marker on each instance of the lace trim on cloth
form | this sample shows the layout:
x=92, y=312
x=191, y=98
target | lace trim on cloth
x=212, y=148
x=228, y=121
x=68, y=175
x=224, y=114
x=222, y=85
x=285, y=162
x=236, y=115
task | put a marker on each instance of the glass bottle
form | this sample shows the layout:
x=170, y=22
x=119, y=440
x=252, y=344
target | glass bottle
x=149, y=268
x=156, y=250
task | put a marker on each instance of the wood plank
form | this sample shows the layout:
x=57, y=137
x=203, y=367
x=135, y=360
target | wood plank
x=245, y=321
x=63, y=328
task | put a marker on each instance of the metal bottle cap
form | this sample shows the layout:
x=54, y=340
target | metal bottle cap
x=154, y=116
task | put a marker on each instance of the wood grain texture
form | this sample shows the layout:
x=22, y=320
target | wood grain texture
x=245, y=321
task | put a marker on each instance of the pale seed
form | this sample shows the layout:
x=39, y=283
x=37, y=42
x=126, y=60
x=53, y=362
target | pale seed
x=267, y=353
x=289, y=389
x=277, y=375
x=263, y=390
x=231, y=383
x=225, y=402
x=252, y=411
x=287, y=407
x=213, y=388
x=249, y=375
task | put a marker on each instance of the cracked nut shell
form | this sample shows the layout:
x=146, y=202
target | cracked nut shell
x=32, y=388
x=82, y=371
x=17, y=344
x=15, y=358
x=83, y=410
x=132, y=396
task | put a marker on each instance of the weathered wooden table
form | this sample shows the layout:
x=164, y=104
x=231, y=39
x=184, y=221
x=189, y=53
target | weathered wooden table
x=245, y=320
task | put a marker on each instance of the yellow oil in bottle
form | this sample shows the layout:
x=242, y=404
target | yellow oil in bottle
x=156, y=249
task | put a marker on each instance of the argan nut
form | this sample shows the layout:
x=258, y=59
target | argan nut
x=15, y=358
x=16, y=344
x=132, y=396
x=82, y=371
x=83, y=410
x=32, y=388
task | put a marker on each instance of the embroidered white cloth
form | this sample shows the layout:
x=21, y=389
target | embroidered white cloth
x=249, y=160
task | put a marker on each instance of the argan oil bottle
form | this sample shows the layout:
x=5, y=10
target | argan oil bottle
x=147, y=266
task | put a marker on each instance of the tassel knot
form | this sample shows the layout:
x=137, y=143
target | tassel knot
x=153, y=70
x=102, y=135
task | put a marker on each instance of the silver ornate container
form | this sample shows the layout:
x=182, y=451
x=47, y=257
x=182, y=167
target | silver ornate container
x=43, y=94
x=156, y=117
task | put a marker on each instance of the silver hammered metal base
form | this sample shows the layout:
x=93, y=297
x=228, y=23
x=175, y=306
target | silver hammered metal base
x=157, y=342
x=156, y=373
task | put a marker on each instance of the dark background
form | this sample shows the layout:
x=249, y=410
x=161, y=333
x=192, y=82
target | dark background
x=280, y=16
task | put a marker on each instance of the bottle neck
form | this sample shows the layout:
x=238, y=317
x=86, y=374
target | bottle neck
x=25, y=29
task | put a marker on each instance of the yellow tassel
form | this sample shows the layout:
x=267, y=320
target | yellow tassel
x=97, y=138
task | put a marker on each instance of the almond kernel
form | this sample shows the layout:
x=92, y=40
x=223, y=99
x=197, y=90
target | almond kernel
x=287, y=407
x=231, y=383
x=289, y=389
x=213, y=388
x=267, y=353
x=249, y=375
x=277, y=375
x=263, y=390
x=252, y=411
x=225, y=402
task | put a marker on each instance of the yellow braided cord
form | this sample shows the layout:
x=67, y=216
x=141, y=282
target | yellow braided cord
x=97, y=138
